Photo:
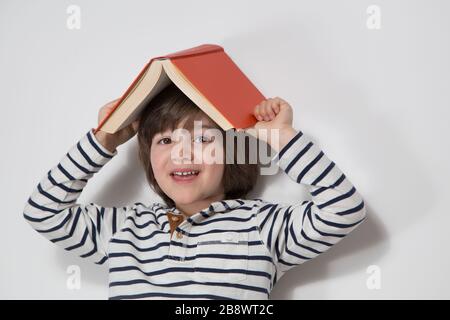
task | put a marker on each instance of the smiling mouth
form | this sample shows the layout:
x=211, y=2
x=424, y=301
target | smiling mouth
x=185, y=175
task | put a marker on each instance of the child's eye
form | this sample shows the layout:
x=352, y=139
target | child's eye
x=164, y=139
x=203, y=139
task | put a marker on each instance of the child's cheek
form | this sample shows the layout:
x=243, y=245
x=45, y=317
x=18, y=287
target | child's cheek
x=158, y=162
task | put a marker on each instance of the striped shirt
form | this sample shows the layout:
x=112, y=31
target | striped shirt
x=234, y=249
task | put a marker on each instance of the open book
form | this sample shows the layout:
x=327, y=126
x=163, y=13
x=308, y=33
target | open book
x=205, y=74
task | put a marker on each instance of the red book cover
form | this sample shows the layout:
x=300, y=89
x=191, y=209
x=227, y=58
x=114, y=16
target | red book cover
x=214, y=74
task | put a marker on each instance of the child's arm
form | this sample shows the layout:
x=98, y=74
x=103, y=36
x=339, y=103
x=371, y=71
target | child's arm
x=299, y=232
x=84, y=229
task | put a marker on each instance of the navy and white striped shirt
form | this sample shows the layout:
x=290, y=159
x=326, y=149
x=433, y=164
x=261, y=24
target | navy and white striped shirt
x=235, y=249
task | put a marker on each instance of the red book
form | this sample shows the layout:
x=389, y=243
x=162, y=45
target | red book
x=206, y=74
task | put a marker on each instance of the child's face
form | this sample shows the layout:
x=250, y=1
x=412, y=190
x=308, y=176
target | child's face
x=187, y=190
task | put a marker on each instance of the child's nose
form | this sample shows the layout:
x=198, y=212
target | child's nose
x=183, y=152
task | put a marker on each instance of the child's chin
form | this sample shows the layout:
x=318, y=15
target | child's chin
x=185, y=199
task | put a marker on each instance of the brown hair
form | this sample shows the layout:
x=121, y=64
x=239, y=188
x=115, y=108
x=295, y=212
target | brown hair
x=166, y=111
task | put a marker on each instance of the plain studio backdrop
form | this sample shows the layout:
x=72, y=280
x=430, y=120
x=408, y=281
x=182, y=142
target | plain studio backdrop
x=368, y=82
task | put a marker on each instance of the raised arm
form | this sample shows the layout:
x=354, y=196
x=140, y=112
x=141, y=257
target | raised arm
x=301, y=231
x=53, y=211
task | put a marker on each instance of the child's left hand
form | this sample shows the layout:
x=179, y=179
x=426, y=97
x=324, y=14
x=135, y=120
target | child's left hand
x=272, y=113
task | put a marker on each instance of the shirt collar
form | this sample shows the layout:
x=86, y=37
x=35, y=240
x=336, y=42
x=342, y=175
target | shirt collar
x=221, y=206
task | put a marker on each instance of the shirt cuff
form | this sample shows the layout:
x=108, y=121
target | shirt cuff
x=96, y=147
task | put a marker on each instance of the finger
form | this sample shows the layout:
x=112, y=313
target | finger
x=276, y=107
x=270, y=110
x=282, y=103
x=258, y=112
x=113, y=102
x=263, y=111
x=110, y=105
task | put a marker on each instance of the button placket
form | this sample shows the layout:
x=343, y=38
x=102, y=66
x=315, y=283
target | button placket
x=178, y=250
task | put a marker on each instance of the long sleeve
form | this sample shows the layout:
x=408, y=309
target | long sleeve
x=51, y=210
x=300, y=232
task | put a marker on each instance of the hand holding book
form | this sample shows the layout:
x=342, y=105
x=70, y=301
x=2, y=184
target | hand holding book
x=273, y=114
x=112, y=141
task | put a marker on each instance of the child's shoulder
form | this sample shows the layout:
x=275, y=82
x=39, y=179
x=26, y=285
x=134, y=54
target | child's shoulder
x=257, y=202
x=262, y=203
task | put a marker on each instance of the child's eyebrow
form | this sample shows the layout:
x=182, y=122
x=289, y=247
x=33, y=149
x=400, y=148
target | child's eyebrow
x=168, y=131
x=207, y=126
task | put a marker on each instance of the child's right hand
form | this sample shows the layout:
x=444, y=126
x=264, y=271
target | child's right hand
x=112, y=141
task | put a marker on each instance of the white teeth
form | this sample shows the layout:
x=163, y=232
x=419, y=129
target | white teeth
x=185, y=173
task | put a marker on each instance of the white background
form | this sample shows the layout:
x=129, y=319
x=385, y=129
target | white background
x=376, y=102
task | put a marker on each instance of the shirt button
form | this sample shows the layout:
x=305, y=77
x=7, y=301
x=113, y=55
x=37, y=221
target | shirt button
x=179, y=235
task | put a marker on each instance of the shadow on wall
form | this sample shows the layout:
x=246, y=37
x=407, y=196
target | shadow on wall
x=363, y=247
x=370, y=241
